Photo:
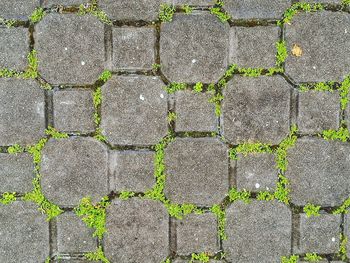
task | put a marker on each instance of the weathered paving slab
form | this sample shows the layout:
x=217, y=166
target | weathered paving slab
x=18, y=9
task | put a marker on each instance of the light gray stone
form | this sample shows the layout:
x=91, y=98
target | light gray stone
x=194, y=48
x=318, y=172
x=256, y=109
x=74, y=168
x=48, y=3
x=22, y=116
x=257, y=232
x=70, y=48
x=18, y=9
x=325, y=41
x=137, y=231
x=134, y=110
x=197, y=171
x=24, y=233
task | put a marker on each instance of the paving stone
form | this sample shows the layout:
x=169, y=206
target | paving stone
x=194, y=112
x=18, y=9
x=134, y=48
x=324, y=1
x=24, y=233
x=132, y=170
x=14, y=48
x=317, y=171
x=197, y=171
x=22, y=117
x=254, y=46
x=16, y=172
x=324, y=38
x=318, y=111
x=190, y=2
x=256, y=109
x=347, y=232
x=73, y=235
x=48, y=3
x=74, y=168
x=141, y=99
x=196, y=261
x=257, y=232
x=190, y=52
x=252, y=9
x=319, y=234
x=74, y=110
x=71, y=45
x=146, y=10
x=137, y=231
x=197, y=233
x=256, y=172
x=71, y=261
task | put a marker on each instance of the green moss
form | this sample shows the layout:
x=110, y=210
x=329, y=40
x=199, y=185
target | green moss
x=187, y=9
x=95, y=11
x=282, y=53
x=312, y=210
x=14, y=149
x=202, y=257
x=166, y=261
x=291, y=259
x=344, y=92
x=342, y=253
x=251, y=72
x=343, y=208
x=248, y=148
x=342, y=134
x=8, y=73
x=125, y=195
x=175, y=86
x=8, y=198
x=230, y=71
x=171, y=117
x=97, y=97
x=346, y=2
x=198, y=87
x=281, y=152
x=282, y=190
x=295, y=8
x=105, y=76
x=37, y=15
x=265, y=196
x=35, y=151
x=179, y=211
x=235, y=195
x=7, y=22
x=48, y=259
x=98, y=255
x=313, y=257
x=221, y=217
x=218, y=12
x=166, y=12
x=52, y=132
x=99, y=136
x=321, y=86
x=93, y=215
x=273, y=71
x=156, y=66
x=32, y=68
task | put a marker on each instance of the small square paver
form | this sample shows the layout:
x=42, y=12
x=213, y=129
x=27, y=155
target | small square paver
x=74, y=110
x=16, y=172
x=254, y=47
x=14, y=48
x=258, y=232
x=194, y=48
x=134, y=48
x=24, y=233
x=194, y=112
x=319, y=234
x=197, y=233
x=256, y=172
x=256, y=109
x=318, y=111
x=131, y=170
x=324, y=39
x=197, y=171
x=18, y=9
x=73, y=46
x=73, y=235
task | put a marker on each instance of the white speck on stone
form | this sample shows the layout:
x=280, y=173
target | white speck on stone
x=83, y=63
x=314, y=67
x=333, y=239
x=65, y=48
x=257, y=185
x=162, y=95
x=194, y=61
x=154, y=78
x=142, y=97
x=267, y=188
x=346, y=31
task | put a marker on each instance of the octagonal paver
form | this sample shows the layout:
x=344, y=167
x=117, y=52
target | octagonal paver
x=74, y=168
x=258, y=232
x=22, y=116
x=324, y=38
x=70, y=48
x=137, y=231
x=256, y=109
x=24, y=233
x=18, y=9
x=194, y=48
x=318, y=172
x=134, y=110
x=197, y=171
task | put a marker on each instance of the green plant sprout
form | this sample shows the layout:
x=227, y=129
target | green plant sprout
x=202, y=257
x=342, y=134
x=291, y=259
x=8, y=198
x=248, y=148
x=98, y=255
x=295, y=8
x=179, y=211
x=321, y=86
x=105, y=76
x=7, y=22
x=251, y=72
x=343, y=209
x=221, y=217
x=32, y=69
x=342, y=253
x=235, y=195
x=282, y=53
x=37, y=15
x=14, y=149
x=156, y=66
x=312, y=257
x=219, y=13
x=187, y=9
x=312, y=210
x=52, y=132
x=91, y=8
x=198, y=87
x=125, y=195
x=344, y=92
x=175, y=86
x=166, y=13
x=171, y=117
x=281, y=152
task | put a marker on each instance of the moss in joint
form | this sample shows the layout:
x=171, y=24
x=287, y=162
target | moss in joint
x=312, y=257
x=166, y=13
x=343, y=209
x=14, y=149
x=187, y=9
x=7, y=22
x=201, y=257
x=311, y=210
x=248, y=148
x=235, y=195
x=37, y=15
x=281, y=152
x=291, y=259
x=251, y=72
x=91, y=8
x=221, y=217
x=125, y=195
x=53, y=133
x=198, y=87
x=295, y=8
x=98, y=255
x=282, y=53
x=342, y=253
x=179, y=211
x=7, y=198
x=171, y=117
x=175, y=86
x=105, y=76
x=344, y=92
x=218, y=12
x=341, y=134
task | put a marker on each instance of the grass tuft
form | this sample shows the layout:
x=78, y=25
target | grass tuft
x=311, y=210
x=342, y=253
x=98, y=255
x=105, y=76
x=166, y=13
x=171, y=117
x=221, y=217
x=342, y=134
x=52, y=132
x=312, y=257
x=8, y=198
x=219, y=13
x=37, y=15
x=201, y=257
x=248, y=148
x=14, y=149
x=187, y=9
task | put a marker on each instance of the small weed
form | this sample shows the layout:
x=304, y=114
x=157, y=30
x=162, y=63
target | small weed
x=14, y=149
x=97, y=97
x=282, y=190
x=295, y=8
x=343, y=209
x=8, y=73
x=105, y=76
x=175, y=86
x=52, y=132
x=187, y=9
x=48, y=259
x=281, y=152
x=32, y=69
x=344, y=91
x=273, y=71
x=8, y=23
x=251, y=72
x=125, y=195
x=282, y=53
x=219, y=13
x=166, y=12
x=37, y=15
x=346, y=2
x=179, y=211
x=321, y=86
x=202, y=257
x=235, y=195
x=35, y=151
x=312, y=210
x=342, y=134
x=8, y=198
x=291, y=259
x=265, y=196
x=98, y=255
x=95, y=11
x=313, y=257
x=198, y=87
x=221, y=217
x=156, y=66
x=342, y=253
x=99, y=136
x=248, y=148
x=171, y=117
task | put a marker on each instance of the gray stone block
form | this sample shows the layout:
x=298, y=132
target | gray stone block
x=318, y=111
x=319, y=234
x=256, y=109
x=137, y=231
x=254, y=46
x=73, y=235
x=74, y=168
x=197, y=171
x=146, y=10
x=18, y=9
x=134, y=110
x=74, y=110
x=197, y=233
x=134, y=48
x=194, y=112
x=14, y=48
x=16, y=172
x=194, y=48
x=256, y=172
x=324, y=38
x=22, y=116
x=258, y=232
x=70, y=48
x=252, y=9
x=131, y=170
x=318, y=172
x=48, y=3
x=24, y=233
